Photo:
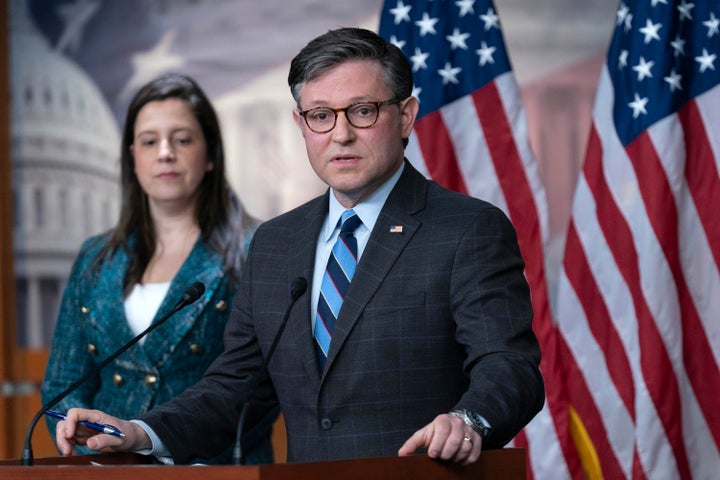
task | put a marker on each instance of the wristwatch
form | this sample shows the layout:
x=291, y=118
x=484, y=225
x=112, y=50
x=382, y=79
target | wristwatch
x=474, y=420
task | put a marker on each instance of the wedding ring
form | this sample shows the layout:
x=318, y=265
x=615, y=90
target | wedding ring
x=468, y=439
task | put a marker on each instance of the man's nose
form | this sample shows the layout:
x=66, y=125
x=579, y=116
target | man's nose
x=343, y=131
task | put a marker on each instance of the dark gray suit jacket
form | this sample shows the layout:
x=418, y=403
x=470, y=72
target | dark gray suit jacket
x=437, y=316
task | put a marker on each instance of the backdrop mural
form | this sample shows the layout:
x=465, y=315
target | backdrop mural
x=75, y=64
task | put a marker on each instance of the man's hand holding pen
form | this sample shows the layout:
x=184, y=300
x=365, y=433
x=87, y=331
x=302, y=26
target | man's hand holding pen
x=70, y=432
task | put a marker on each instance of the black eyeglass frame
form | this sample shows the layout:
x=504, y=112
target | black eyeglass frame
x=336, y=111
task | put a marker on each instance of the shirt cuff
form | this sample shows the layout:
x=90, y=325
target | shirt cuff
x=158, y=450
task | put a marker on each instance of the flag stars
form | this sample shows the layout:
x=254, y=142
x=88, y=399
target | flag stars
x=426, y=24
x=485, y=53
x=401, y=12
x=706, y=60
x=416, y=91
x=466, y=6
x=643, y=69
x=685, y=10
x=650, y=30
x=628, y=22
x=678, y=45
x=623, y=59
x=419, y=59
x=673, y=80
x=490, y=19
x=638, y=106
x=655, y=2
x=457, y=39
x=449, y=73
x=398, y=43
x=622, y=12
x=713, y=23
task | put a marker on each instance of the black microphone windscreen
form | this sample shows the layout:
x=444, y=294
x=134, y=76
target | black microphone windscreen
x=192, y=293
x=297, y=288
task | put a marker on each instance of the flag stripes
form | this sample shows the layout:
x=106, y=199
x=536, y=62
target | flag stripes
x=435, y=144
x=471, y=137
x=702, y=175
x=637, y=305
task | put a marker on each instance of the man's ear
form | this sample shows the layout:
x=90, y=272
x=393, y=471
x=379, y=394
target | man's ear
x=299, y=121
x=408, y=111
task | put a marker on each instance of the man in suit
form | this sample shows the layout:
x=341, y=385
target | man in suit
x=433, y=346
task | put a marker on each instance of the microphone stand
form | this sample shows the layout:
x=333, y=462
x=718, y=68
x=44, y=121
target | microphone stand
x=192, y=293
x=297, y=288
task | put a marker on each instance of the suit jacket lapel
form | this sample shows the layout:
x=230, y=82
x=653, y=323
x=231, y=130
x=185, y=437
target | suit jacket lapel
x=107, y=304
x=202, y=265
x=386, y=243
x=301, y=262
x=109, y=311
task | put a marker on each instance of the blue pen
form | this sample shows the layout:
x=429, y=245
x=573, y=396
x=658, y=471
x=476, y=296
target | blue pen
x=100, y=427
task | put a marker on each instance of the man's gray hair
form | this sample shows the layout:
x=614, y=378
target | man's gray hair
x=345, y=44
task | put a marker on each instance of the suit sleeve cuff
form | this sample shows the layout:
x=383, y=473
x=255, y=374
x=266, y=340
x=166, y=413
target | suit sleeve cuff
x=158, y=450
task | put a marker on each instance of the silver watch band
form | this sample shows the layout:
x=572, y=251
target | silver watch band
x=474, y=420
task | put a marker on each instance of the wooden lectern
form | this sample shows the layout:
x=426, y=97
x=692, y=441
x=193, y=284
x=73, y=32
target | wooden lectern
x=507, y=463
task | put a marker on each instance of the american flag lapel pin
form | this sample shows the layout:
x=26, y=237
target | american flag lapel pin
x=396, y=229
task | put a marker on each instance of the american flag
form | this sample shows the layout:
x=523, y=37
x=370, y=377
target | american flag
x=639, y=294
x=471, y=136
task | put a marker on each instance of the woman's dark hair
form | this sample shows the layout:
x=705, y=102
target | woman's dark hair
x=214, y=201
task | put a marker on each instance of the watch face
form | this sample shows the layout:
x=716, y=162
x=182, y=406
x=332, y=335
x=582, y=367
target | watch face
x=480, y=423
x=475, y=418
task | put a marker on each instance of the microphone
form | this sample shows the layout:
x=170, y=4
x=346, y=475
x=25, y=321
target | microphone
x=190, y=295
x=297, y=288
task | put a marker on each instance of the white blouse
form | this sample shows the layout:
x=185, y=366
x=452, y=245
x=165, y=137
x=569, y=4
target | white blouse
x=143, y=303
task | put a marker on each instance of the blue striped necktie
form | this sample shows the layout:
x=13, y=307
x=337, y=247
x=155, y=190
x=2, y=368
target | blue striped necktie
x=338, y=274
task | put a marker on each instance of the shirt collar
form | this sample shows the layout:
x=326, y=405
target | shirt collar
x=368, y=210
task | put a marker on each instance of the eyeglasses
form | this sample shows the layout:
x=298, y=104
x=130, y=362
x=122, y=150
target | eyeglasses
x=359, y=115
